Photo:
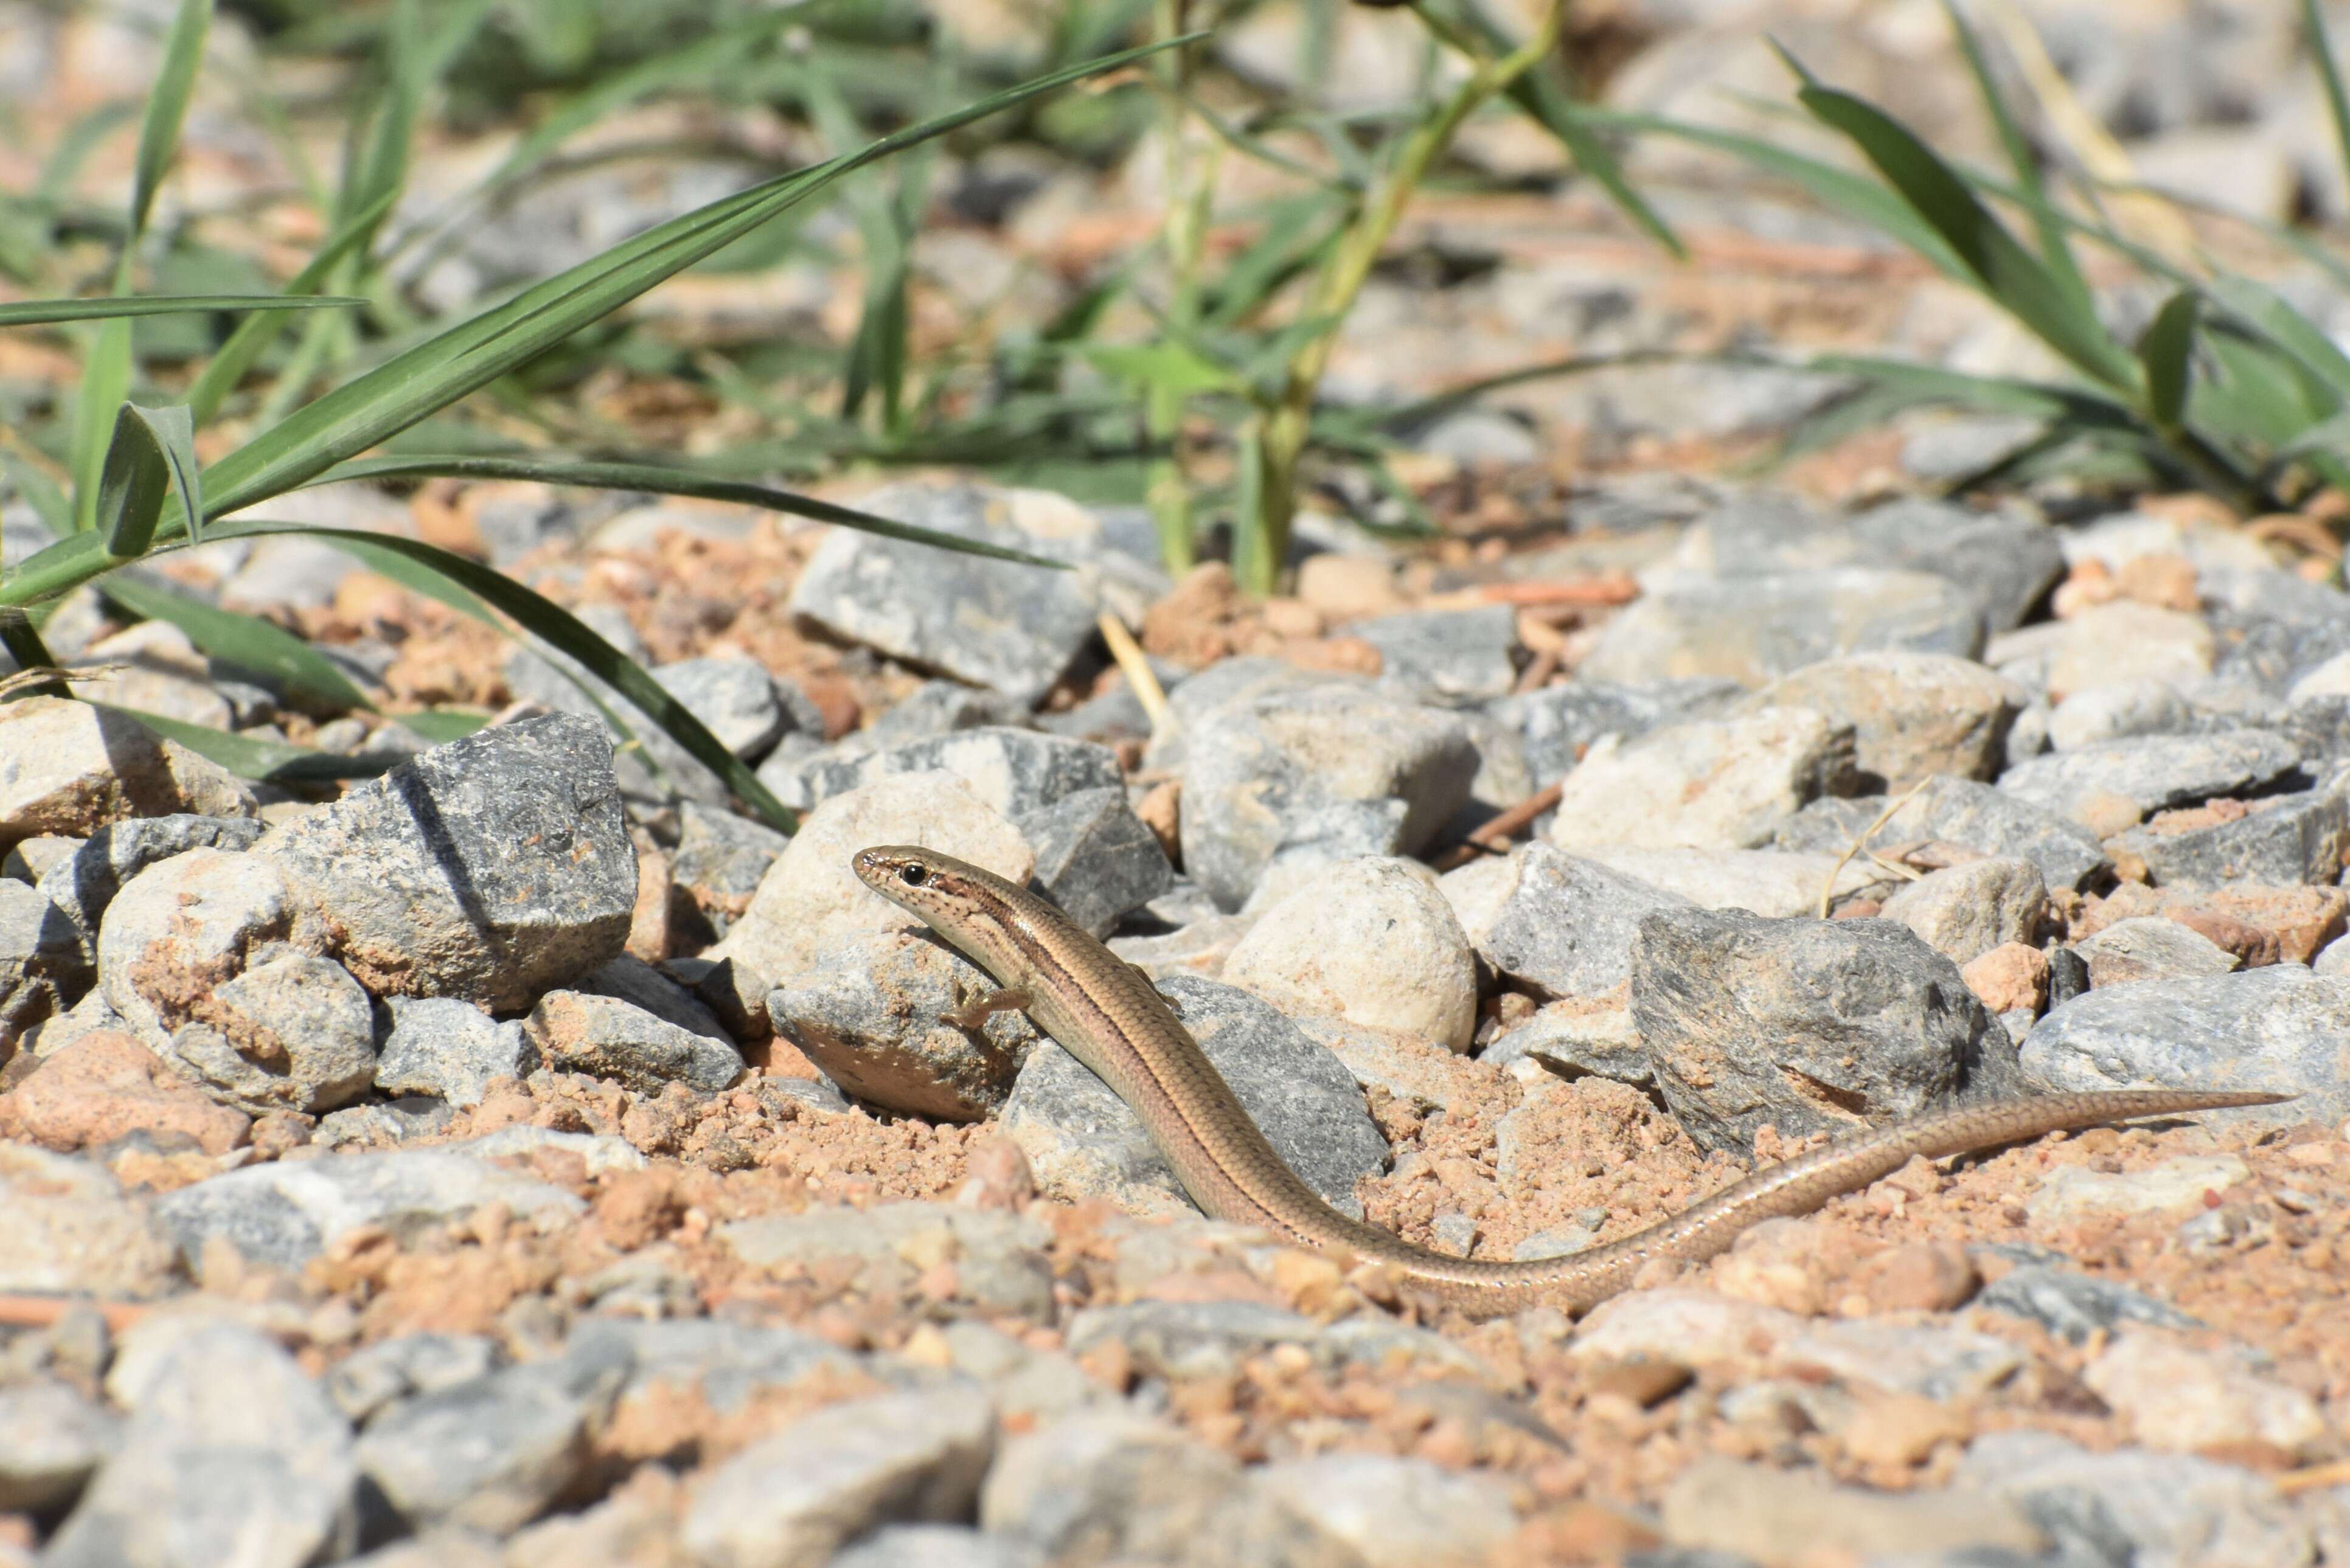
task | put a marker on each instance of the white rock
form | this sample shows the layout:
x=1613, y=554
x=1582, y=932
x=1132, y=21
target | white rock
x=1965, y=911
x=2177, y=1398
x=1713, y=783
x=1369, y=941
x=2075, y=1192
x=180, y=929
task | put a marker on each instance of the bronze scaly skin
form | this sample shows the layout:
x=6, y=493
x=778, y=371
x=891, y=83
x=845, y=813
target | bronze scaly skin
x=1109, y=1015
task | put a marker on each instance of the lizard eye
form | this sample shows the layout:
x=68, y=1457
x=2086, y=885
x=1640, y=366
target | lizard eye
x=912, y=876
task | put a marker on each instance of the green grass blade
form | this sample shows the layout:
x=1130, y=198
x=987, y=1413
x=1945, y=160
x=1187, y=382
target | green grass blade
x=253, y=336
x=671, y=481
x=21, y=640
x=355, y=416
x=262, y=761
x=2010, y=276
x=2166, y=353
x=105, y=387
x=2055, y=248
x=442, y=725
x=39, y=312
x=558, y=628
x=159, y=128
x=152, y=455
x=2270, y=315
x=2329, y=72
x=247, y=641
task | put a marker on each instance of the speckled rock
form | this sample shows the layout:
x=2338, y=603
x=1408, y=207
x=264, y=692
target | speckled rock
x=2149, y=774
x=2286, y=839
x=576, y=1031
x=2151, y=948
x=292, y=1032
x=1727, y=1505
x=1558, y=723
x=1392, y=1512
x=51, y=1440
x=1979, y=817
x=1370, y=941
x=998, y=1258
x=1106, y=1484
x=1014, y=771
x=1752, y=630
x=67, y=767
x=1445, y=655
x=872, y=1011
x=1083, y=1141
x=1714, y=784
x=1096, y=858
x=449, y=1048
x=66, y=1228
x=1556, y=923
x=2074, y=1192
x=489, y=869
x=43, y=967
x=1812, y=1025
x=2156, y=1510
x=1295, y=779
x=1912, y=714
x=1965, y=911
x=83, y=884
x=492, y=1452
x=1775, y=882
x=180, y=927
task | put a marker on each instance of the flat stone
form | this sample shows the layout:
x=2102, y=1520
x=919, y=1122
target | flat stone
x=52, y=1440
x=2074, y=1306
x=2124, y=640
x=230, y=1455
x=1730, y=1506
x=2151, y=772
x=105, y=1087
x=999, y=1258
x=1083, y=1141
x=489, y=869
x=1178, y=1340
x=449, y=1050
x=1558, y=723
x=1370, y=941
x=1774, y=882
x=2073, y=1192
x=1445, y=655
x=2287, y=839
x=68, y=768
x=292, y=1032
x=1296, y=779
x=1716, y=783
x=2281, y=1028
x=1392, y=1512
x=2151, y=948
x=654, y=773
x=2153, y=1510
x=872, y=1012
x=1813, y=1025
x=2174, y=1397
x=65, y=1228
x=1413, y=1070
x=792, y=1499
x=1911, y=714
x=1965, y=911
x=810, y=897
x=491, y=1453
x=576, y=1032
x=1555, y=923
x=1934, y=1359
x=632, y=980
x=1011, y=628
x=1753, y=629
x=1977, y=816
x=287, y=1213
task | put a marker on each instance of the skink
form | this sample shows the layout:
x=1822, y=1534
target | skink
x=1109, y=1015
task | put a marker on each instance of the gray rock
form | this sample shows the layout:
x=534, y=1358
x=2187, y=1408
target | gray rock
x=1106, y=1486
x=33, y=858
x=938, y=1546
x=1017, y=772
x=2282, y=841
x=85, y=881
x=1095, y=858
x=2152, y=772
x=734, y=697
x=1224, y=683
x=1082, y=1140
x=1302, y=778
x=1176, y=1340
x=491, y=869
x=51, y=1440
x=1558, y=724
x=231, y=1455
x=1552, y=923
x=1760, y=881
x=1731, y=1506
x=1392, y=1512
x=1753, y=629
x=933, y=708
x=576, y=1031
x=720, y=859
x=1911, y=714
x=2279, y=1028
x=2149, y=1509
x=1011, y=628
x=291, y=1033
x=380, y=1124
x=1812, y=1025
x=2118, y=710
x=286, y=1214
x=999, y=1258
x=2074, y=1306
x=2149, y=947
x=603, y=1153
x=1025, y=1381
x=449, y=1050
x=178, y=928
x=1445, y=655
x=655, y=771
x=70, y=768
x=1714, y=784
x=872, y=1012
x=65, y=1228
x=1963, y=911
x=405, y=1366
x=632, y=980
x=43, y=967
x=791, y=1500
x=726, y=1366
x=1960, y=811
x=492, y=1452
